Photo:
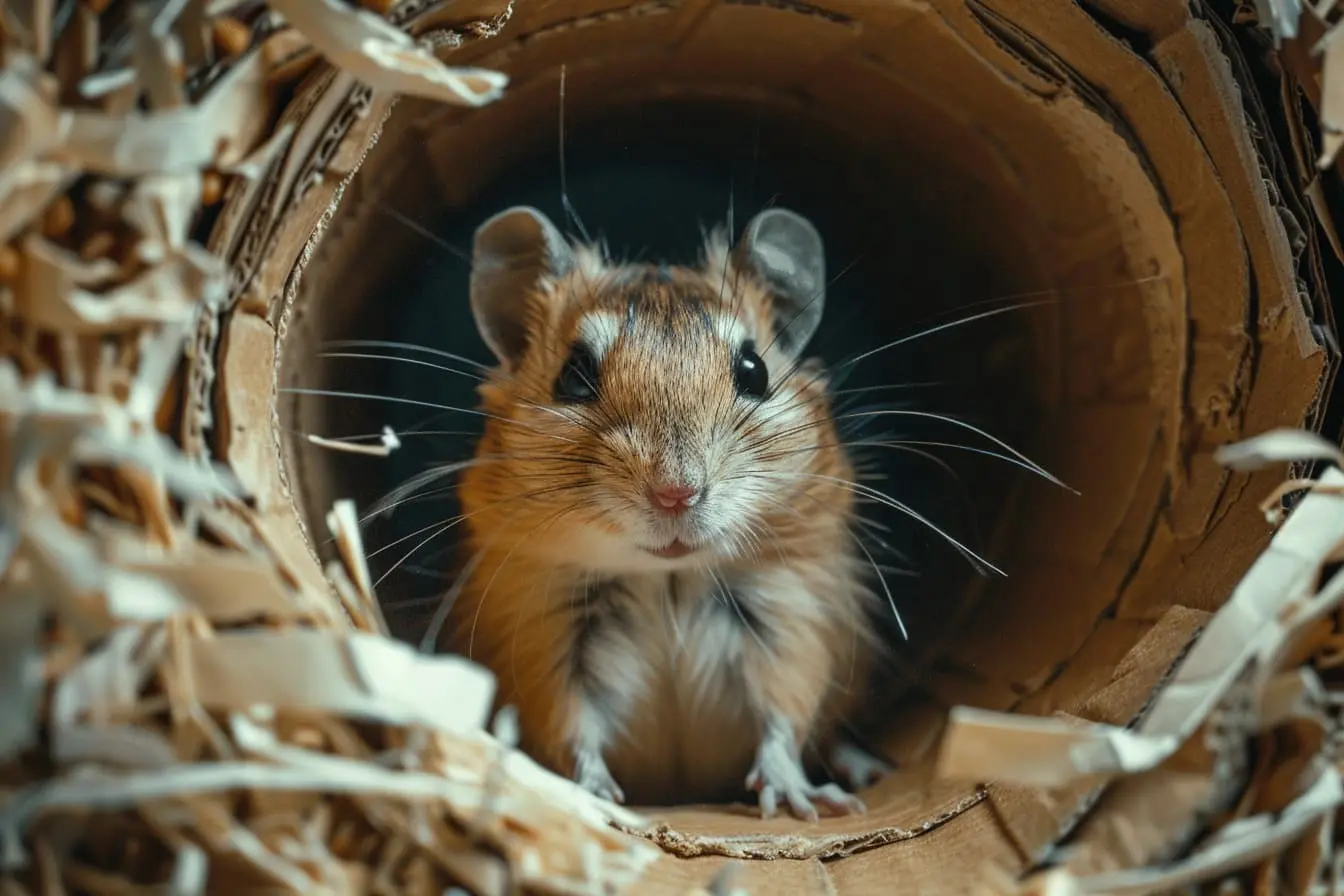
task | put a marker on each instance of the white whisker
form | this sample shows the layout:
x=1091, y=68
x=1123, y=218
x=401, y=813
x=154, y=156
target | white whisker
x=410, y=347
x=891, y=502
x=334, y=393
x=1030, y=464
x=400, y=360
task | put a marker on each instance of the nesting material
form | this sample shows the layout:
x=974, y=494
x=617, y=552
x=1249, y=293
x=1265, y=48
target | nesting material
x=198, y=690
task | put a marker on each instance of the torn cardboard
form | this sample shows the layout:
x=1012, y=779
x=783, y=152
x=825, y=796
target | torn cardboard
x=1125, y=142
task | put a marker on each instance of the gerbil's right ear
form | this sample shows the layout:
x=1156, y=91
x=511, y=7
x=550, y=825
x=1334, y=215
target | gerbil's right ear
x=513, y=253
x=785, y=251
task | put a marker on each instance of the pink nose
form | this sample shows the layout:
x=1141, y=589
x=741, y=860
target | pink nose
x=673, y=498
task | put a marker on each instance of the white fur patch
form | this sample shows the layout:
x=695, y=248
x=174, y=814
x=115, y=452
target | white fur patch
x=731, y=330
x=616, y=655
x=784, y=412
x=712, y=649
x=592, y=262
x=715, y=259
x=599, y=330
x=591, y=729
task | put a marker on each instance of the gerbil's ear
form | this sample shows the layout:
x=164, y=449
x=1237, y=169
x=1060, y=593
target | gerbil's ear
x=785, y=251
x=514, y=252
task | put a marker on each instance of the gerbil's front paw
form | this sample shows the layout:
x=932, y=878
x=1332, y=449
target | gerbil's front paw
x=779, y=775
x=856, y=766
x=592, y=774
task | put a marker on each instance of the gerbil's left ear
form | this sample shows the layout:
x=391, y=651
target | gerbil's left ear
x=785, y=251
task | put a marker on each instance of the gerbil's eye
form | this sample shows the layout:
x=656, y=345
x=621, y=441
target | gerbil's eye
x=577, y=381
x=749, y=373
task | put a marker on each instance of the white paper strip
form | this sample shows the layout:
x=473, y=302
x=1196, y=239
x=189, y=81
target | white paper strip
x=1240, y=845
x=1048, y=752
x=354, y=675
x=385, y=58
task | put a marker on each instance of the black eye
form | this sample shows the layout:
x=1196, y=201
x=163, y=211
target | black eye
x=577, y=381
x=749, y=373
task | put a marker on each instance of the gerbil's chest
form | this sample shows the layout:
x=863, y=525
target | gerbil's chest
x=677, y=646
x=688, y=632
x=677, y=667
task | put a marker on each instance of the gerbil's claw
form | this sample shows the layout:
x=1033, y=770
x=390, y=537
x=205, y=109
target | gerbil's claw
x=778, y=775
x=856, y=766
x=592, y=775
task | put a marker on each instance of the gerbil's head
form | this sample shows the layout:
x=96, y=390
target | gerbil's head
x=647, y=416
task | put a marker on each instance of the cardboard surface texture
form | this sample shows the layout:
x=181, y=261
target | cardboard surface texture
x=198, y=687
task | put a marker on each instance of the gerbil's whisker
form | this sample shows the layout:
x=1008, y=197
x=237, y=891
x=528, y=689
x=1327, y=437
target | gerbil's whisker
x=564, y=174
x=891, y=600
x=407, y=491
x=387, y=507
x=424, y=231
x=445, y=526
x=528, y=536
x=1008, y=459
x=400, y=360
x=1016, y=458
x=433, y=535
x=434, y=525
x=360, y=436
x=410, y=347
x=1054, y=290
x=943, y=418
x=903, y=445
x=576, y=420
x=859, y=390
x=780, y=534
x=334, y=393
x=961, y=321
x=869, y=525
x=966, y=497
x=411, y=603
x=450, y=597
x=842, y=366
x=412, y=485
x=933, y=459
x=885, y=499
x=898, y=570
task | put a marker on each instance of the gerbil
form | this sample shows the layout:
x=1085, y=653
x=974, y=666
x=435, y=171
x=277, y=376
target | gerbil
x=663, y=576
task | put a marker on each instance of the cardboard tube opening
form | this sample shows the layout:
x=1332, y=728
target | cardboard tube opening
x=949, y=196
